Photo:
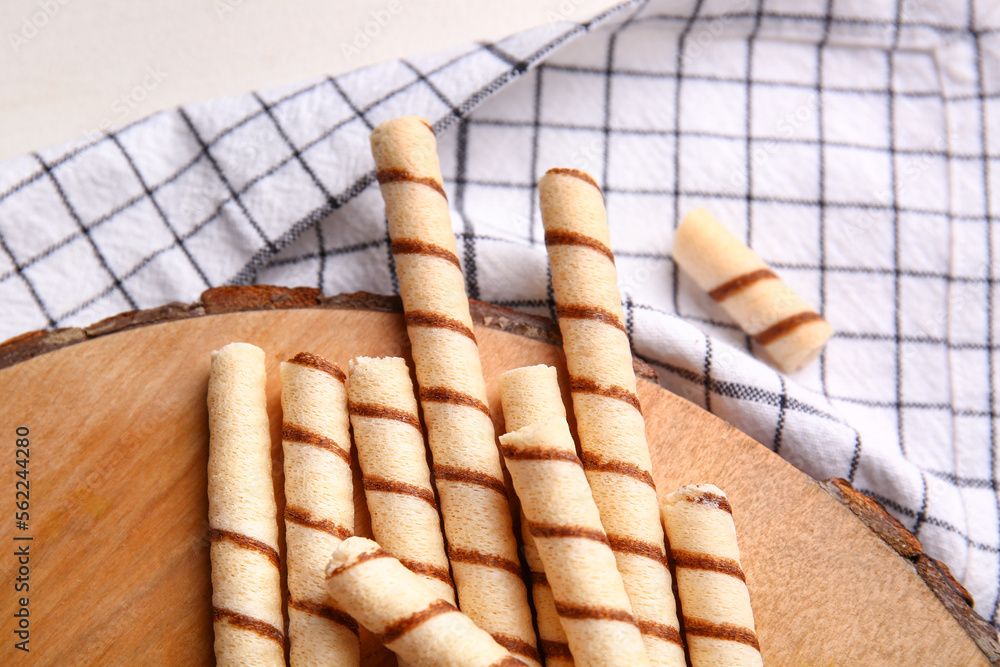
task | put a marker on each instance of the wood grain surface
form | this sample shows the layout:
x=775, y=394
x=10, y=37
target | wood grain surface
x=119, y=551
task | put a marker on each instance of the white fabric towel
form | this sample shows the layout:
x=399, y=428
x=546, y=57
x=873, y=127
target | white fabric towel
x=855, y=145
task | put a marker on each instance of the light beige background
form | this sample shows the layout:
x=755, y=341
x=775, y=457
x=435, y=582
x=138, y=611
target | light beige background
x=67, y=67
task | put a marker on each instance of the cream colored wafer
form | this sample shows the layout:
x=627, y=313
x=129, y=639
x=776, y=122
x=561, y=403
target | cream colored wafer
x=789, y=329
x=319, y=506
x=242, y=515
x=397, y=481
x=609, y=421
x=467, y=471
x=718, y=620
x=589, y=596
x=531, y=394
x=397, y=606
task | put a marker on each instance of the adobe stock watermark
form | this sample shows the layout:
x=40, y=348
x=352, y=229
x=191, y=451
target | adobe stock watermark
x=968, y=294
x=223, y=7
x=563, y=11
x=34, y=23
x=588, y=156
x=907, y=176
x=371, y=29
x=786, y=127
x=696, y=43
x=125, y=104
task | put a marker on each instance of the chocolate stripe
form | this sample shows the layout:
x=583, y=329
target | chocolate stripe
x=740, y=283
x=421, y=318
x=319, y=363
x=630, y=545
x=578, y=312
x=553, y=649
x=324, y=611
x=589, y=611
x=555, y=237
x=383, y=412
x=455, y=474
x=292, y=433
x=539, y=579
x=248, y=623
x=693, y=561
x=373, y=483
x=474, y=557
x=507, y=661
x=714, y=500
x=575, y=173
x=539, y=454
x=400, y=628
x=517, y=646
x=363, y=557
x=386, y=176
x=428, y=570
x=417, y=247
x=304, y=518
x=594, y=464
x=552, y=530
x=217, y=535
x=585, y=386
x=661, y=631
x=445, y=395
x=728, y=631
x=785, y=327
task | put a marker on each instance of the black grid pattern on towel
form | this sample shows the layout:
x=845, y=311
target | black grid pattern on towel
x=854, y=145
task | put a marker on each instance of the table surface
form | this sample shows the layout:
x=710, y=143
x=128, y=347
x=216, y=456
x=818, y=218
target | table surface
x=69, y=66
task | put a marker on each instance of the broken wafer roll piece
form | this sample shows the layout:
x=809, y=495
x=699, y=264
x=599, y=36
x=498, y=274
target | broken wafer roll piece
x=715, y=601
x=397, y=606
x=789, y=329
x=397, y=481
x=242, y=515
x=608, y=416
x=589, y=596
x=319, y=507
x=467, y=471
x=528, y=395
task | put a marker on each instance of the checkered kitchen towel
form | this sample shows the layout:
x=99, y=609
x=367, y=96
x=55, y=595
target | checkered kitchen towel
x=855, y=145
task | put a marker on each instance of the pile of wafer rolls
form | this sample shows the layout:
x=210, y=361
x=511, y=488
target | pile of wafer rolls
x=590, y=577
x=400, y=587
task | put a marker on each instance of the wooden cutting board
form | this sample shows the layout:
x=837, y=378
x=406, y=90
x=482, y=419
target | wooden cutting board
x=119, y=561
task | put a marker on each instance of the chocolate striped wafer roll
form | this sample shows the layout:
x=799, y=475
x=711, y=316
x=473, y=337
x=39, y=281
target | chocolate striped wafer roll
x=397, y=481
x=404, y=614
x=590, y=598
x=242, y=515
x=319, y=506
x=609, y=421
x=531, y=394
x=789, y=329
x=718, y=620
x=467, y=471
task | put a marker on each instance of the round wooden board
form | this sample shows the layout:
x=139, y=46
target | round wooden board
x=119, y=552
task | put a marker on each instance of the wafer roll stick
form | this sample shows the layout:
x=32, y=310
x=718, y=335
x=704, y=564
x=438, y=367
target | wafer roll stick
x=718, y=620
x=397, y=481
x=242, y=515
x=609, y=421
x=590, y=598
x=531, y=394
x=790, y=330
x=319, y=509
x=467, y=472
x=397, y=606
